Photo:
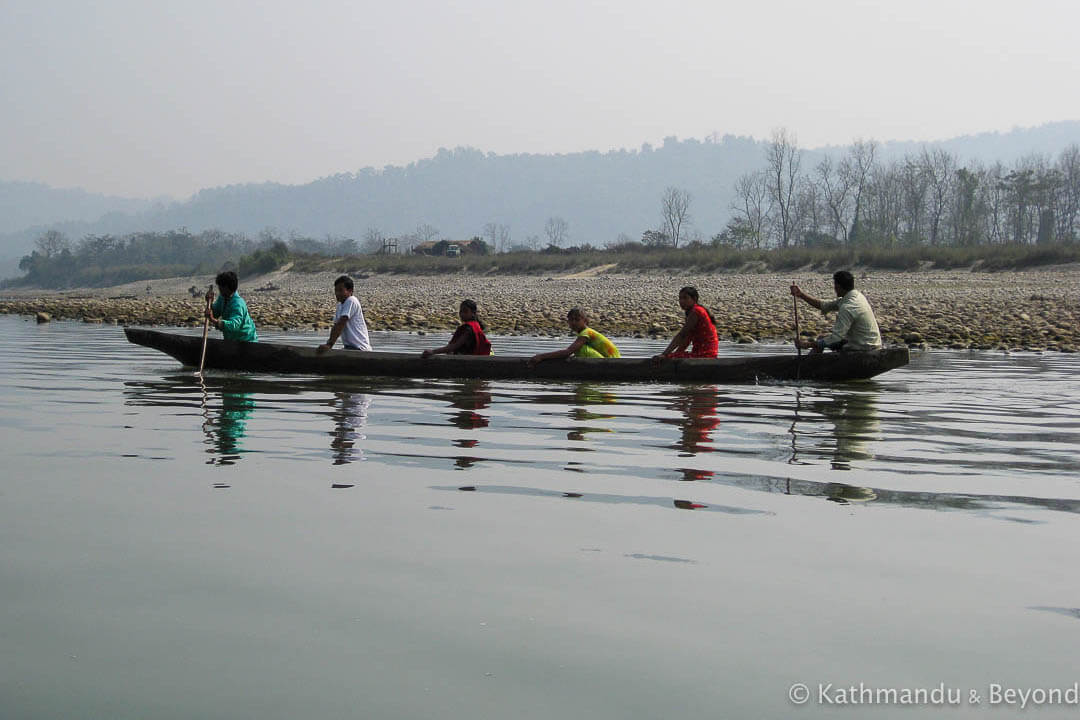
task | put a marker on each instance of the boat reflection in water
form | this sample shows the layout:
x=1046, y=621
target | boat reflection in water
x=845, y=494
x=349, y=412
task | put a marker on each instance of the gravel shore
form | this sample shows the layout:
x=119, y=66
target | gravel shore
x=1031, y=310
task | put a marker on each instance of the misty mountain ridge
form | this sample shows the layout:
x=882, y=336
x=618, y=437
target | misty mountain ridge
x=600, y=194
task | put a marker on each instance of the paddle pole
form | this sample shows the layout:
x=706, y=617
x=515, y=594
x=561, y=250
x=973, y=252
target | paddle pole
x=798, y=348
x=205, y=329
x=795, y=312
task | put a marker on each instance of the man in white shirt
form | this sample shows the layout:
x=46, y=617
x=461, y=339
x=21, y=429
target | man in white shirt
x=349, y=322
x=856, y=327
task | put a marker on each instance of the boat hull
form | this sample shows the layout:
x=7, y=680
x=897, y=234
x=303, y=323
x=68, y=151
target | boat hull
x=276, y=358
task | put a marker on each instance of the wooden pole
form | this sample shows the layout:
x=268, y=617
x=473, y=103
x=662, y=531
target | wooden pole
x=205, y=330
x=795, y=312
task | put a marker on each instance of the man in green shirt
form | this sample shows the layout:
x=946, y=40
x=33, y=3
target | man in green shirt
x=229, y=313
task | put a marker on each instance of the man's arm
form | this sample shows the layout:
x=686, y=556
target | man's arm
x=335, y=333
x=840, y=330
x=809, y=300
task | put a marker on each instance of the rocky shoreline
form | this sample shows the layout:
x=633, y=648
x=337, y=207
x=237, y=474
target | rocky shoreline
x=1032, y=310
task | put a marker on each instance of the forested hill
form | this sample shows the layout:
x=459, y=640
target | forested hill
x=29, y=204
x=458, y=192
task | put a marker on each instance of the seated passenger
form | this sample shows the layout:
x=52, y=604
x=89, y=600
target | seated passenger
x=587, y=344
x=469, y=338
x=698, y=332
x=349, y=323
x=229, y=313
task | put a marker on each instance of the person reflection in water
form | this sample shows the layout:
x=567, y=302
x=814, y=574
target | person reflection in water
x=226, y=432
x=472, y=395
x=699, y=419
x=698, y=407
x=856, y=426
x=349, y=414
x=584, y=396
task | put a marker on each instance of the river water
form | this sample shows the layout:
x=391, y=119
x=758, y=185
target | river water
x=284, y=547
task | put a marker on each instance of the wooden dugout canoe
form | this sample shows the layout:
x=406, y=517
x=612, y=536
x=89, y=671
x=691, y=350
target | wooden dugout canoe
x=276, y=358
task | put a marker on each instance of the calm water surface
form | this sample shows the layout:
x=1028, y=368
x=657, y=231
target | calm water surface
x=283, y=547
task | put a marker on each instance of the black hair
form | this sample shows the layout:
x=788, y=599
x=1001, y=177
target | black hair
x=692, y=292
x=844, y=280
x=471, y=304
x=345, y=281
x=576, y=312
x=227, y=281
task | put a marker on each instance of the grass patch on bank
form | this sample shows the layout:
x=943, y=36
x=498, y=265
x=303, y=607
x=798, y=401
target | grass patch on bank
x=706, y=259
x=67, y=270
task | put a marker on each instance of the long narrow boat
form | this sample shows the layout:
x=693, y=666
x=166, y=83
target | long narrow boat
x=276, y=358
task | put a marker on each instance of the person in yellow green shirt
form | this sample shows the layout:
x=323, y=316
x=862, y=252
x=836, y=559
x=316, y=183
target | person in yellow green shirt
x=587, y=344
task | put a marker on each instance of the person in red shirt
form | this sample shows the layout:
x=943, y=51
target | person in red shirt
x=469, y=338
x=698, y=332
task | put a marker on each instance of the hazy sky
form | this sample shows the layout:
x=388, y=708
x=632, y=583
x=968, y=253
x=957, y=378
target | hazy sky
x=141, y=97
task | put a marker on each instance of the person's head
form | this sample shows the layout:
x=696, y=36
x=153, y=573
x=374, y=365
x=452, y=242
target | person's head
x=227, y=282
x=843, y=282
x=688, y=297
x=467, y=310
x=343, y=288
x=577, y=319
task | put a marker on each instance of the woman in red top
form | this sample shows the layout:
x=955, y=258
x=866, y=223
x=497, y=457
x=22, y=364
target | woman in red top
x=698, y=332
x=469, y=338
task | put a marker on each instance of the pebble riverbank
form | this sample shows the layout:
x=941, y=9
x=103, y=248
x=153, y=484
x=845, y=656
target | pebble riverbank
x=1031, y=310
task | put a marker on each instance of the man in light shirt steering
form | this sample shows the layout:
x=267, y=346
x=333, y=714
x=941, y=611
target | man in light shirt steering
x=856, y=327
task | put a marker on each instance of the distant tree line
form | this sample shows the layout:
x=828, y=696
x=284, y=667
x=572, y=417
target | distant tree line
x=927, y=198
x=109, y=260
x=842, y=204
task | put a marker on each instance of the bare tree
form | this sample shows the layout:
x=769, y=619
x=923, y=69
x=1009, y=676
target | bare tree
x=938, y=167
x=675, y=210
x=964, y=212
x=498, y=236
x=426, y=233
x=373, y=241
x=1069, y=166
x=557, y=231
x=52, y=242
x=855, y=171
x=809, y=212
x=752, y=208
x=836, y=196
x=784, y=159
x=491, y=232
x=994, y=197
x=883, y=206
x=915, y=185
